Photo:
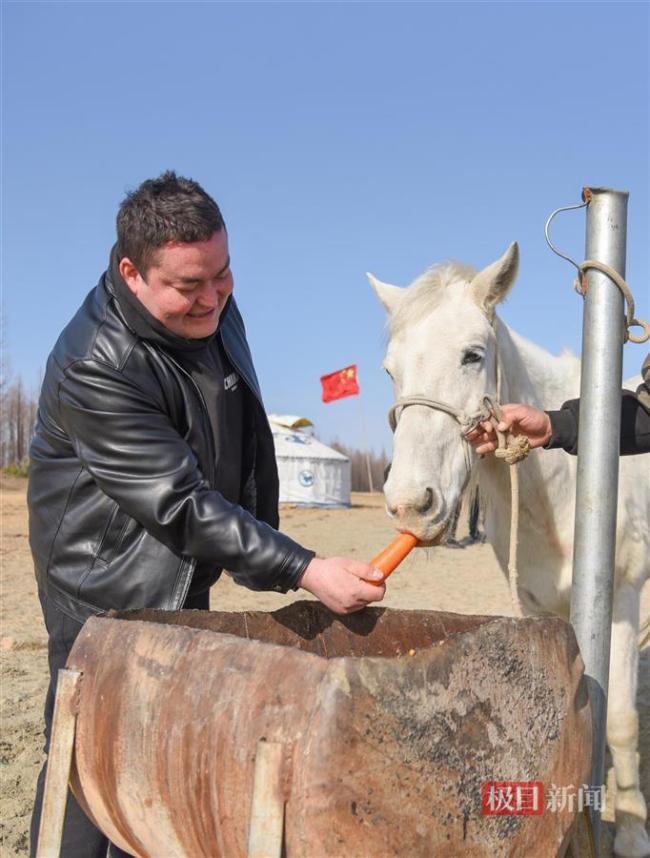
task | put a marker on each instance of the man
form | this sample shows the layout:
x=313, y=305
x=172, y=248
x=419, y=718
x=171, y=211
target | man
x=152, y=465
x=559, y=429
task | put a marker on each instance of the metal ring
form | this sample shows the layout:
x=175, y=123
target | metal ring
x=639, y=338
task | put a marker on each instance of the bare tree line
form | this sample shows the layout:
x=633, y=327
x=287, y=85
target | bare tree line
x=17, y=417
x=359, y=468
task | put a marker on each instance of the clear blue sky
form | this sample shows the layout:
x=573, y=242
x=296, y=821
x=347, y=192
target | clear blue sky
x=338, y=138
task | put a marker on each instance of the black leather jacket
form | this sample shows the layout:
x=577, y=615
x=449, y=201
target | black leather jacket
x=121, y=498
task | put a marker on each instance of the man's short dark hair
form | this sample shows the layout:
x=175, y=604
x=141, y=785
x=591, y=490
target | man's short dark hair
x=169, y=208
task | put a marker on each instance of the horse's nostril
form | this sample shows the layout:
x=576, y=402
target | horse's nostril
x=426, y=502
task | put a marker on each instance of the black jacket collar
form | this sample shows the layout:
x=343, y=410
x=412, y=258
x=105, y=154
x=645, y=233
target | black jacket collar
x=140, y=320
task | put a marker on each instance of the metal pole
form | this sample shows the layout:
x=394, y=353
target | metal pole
x=598, y=455
x=364, y=435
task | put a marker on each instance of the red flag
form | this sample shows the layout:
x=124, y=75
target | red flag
x=341, y=383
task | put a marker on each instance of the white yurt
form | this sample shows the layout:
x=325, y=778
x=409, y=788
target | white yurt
x=311, y=473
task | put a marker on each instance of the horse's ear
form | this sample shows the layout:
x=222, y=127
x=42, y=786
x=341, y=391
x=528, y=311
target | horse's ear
x=492, y=284
x=389, y=296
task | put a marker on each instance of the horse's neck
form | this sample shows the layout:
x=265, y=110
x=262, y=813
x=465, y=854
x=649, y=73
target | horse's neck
x=532, y=375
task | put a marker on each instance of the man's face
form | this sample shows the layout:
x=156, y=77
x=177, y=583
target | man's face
x=186, y=286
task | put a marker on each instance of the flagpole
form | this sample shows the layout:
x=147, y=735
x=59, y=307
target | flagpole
x=342, y=383
x=364, y=436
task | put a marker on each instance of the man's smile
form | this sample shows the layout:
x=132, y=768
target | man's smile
x=204, y=315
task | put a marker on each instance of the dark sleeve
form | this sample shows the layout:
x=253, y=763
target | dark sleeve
x=635, y=426
x=564, y=426
x=130, y=447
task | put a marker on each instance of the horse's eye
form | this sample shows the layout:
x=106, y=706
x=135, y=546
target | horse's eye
x=471, y=356
x=388, y=373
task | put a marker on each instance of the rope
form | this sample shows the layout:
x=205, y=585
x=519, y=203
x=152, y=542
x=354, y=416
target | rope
x=511, y=449
x=467, y=422
x=630, y=321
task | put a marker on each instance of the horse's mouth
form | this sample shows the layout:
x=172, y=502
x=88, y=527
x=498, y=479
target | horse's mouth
x=429, y=538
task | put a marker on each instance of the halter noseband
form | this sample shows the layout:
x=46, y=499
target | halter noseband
x=467, y=421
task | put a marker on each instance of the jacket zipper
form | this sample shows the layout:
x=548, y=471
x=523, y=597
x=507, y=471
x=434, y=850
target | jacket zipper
x=206, y=417
x=189, y=563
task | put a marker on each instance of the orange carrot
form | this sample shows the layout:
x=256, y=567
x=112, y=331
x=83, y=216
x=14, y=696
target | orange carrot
x=390, y=558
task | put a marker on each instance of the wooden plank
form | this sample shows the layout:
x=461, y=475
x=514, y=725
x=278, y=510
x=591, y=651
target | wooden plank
x=266, y=831
x=59, y=760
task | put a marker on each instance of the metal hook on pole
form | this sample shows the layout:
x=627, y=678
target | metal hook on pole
x=581, y=274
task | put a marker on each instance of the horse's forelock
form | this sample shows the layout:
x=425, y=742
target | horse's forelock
x=426, y=293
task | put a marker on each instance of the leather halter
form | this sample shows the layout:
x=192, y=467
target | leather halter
x=467, y=421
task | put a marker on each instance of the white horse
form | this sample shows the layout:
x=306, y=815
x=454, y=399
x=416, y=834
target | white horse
x=447, y=344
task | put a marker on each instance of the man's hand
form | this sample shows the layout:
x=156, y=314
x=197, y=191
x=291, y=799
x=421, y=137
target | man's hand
x=516, y=419
x=342, y=583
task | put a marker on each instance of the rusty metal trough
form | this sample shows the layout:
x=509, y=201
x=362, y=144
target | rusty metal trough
x=384, y=752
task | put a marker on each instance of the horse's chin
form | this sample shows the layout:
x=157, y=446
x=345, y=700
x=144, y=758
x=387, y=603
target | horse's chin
x=430, y=535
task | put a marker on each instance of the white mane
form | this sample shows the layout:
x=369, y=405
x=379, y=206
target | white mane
x=426, y=292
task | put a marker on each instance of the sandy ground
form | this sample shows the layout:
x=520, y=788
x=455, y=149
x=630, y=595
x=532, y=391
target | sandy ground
x=464, y=580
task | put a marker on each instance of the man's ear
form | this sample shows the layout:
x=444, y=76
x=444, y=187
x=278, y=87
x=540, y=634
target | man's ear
x=492, y=284
x=130, y=274
x=390, y=296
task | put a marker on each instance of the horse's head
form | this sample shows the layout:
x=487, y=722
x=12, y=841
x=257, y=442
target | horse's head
x=442, y=347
